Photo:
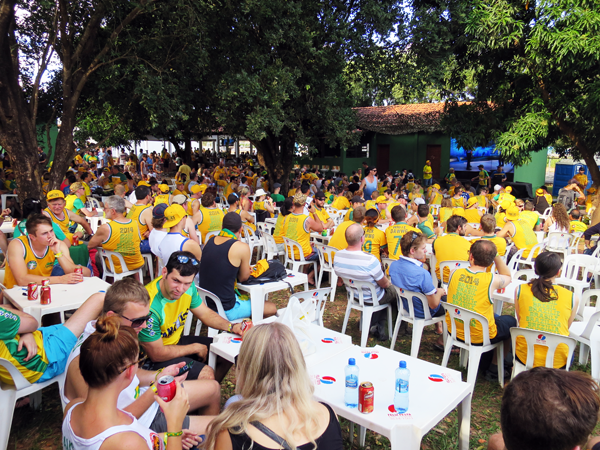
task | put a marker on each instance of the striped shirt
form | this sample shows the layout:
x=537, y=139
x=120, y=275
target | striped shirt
x=359, y=266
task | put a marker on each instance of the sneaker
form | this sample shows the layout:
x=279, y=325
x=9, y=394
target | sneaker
x=382, y=332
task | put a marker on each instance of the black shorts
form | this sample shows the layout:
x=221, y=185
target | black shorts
x=198, y=364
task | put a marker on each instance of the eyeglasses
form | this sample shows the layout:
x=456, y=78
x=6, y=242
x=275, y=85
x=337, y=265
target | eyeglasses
x=138, y=362
x=184, y=260
x=135, y=323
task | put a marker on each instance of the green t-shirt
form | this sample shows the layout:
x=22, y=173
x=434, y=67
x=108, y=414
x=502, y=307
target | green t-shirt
x=20, y=230
x=278, y=198
x=167, y=317
x=426, y=230
x=77, y=205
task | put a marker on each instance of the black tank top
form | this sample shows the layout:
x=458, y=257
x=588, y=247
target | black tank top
x=218, y=275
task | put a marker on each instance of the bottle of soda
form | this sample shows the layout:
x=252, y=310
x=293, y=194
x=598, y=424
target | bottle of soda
x=401, y=391
x=351, y=393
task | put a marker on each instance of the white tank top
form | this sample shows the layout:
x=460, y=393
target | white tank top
x=171, y=243
x=126, y=397
x=73, y=442
x=155, y=238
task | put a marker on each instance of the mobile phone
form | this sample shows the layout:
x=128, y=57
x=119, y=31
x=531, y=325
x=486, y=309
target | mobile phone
x=185, y=368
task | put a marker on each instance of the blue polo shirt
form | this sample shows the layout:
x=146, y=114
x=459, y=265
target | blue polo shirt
x=409, y=274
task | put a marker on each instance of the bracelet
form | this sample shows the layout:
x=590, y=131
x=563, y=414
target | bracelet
x=153, y=387
x=157, y=374
x=58, y=255
x=230, y=327
x=168, y=435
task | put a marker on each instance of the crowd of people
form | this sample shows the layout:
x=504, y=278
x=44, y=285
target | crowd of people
x=193, y=223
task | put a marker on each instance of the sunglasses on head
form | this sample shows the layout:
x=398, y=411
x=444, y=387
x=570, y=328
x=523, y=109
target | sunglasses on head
x=184, y=259
x=135, y=323
x=138, y=362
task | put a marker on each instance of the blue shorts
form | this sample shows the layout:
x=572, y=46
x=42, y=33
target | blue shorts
x=58, y=343
x=313, y=256
x=241, y=310
x=145, y=246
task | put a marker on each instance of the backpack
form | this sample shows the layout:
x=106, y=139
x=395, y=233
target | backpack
x=567, y=198
x=275, y=272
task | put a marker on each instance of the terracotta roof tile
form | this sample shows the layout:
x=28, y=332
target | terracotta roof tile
x=401, y=119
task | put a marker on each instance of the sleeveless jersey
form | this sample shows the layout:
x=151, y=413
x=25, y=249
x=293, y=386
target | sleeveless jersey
x=135, y=212
x=190, y=210
x=531, y=217
x=73, y=442
x=124, y=238
x=36, y=265
x=481, y=200
x=278, y=231
x=63, y=224
x=458, y=202
x=552, y=316
x=437, y=199
x=127, y=395
x=162, y=198
x=524, y=237
x=394, y=234
x=445, y=213
x=472, y=215
x=212, y=220
x=374, y=241
x=296, y=229
x=172, y=242
x=471, y=290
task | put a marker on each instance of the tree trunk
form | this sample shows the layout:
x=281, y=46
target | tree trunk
x=65, y=150
x=277, y=153
x=187, y=151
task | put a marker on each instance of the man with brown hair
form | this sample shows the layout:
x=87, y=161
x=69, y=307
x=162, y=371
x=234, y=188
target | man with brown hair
x=488, y=226
x=549, y=409
x=338, y=240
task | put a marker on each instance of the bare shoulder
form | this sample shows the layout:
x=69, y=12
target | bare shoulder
x=124, y=441
x=223, y=441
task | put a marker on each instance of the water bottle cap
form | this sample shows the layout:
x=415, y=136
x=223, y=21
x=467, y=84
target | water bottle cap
x=351, y=361
x=403, y=364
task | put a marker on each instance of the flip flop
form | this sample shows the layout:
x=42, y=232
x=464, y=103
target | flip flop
x=440, y=348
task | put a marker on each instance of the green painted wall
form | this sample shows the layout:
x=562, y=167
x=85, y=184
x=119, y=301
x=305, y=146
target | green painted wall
x=535, y=171
x=42, y=141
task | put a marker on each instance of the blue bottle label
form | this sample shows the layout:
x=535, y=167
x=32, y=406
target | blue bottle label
x=403, y=385
x=352, y=382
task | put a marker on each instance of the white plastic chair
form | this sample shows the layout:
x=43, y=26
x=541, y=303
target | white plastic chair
x=10, y=394
x=252, y=239
x=409, y=316
x=190, y=317
x=148, y=264
x=528, y=261
x=586, y=331
x=291, y=248
x=558, y=242
x=508, y=250
x=326, y=265
x=357, y=301
x=542, y=339
x=547, y=213
x=210, y=235
x=452, y=266
x=270, y=247
x=575, y=273
x=432, y=264
x=458, y=313
x=318, y=297
x=107, y=255
x=574, y=247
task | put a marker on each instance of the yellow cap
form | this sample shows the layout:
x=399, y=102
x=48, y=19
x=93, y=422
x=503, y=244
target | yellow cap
x=52, y=195
x=174, y=214
x=592, y=190
x=198, y=188
x=471, y=202
x=506, y=204
x=508, y=189
x=381, y=199
x=163, y=188
x=143, y=183
x=539, y=192
x=436, y=186
x=512, y=213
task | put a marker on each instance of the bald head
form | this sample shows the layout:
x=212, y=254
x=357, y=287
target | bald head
x=353, y=234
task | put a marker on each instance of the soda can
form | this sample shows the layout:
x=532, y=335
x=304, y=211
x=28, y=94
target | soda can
x=14, y=223
x=45, y=297
x=501, y=291
x=366, y=397
x=166, y=388
x=46, y=282
x=79, y=270
x=75, y=240
x=32, y=291
x=246, y=325
x=324, y=233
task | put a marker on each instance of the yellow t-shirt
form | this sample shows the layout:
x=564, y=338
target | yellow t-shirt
x=124, y=238
x=296, y=229
x=524, y=237
x=427, y=172
x=211, y=220
x=471, y=290
x=321, y=214
x=162, y=198
x=341, y=202
x=577, y=227
x=393, y=235
x=499, y=242
x=552, y=317
x=135, y=212
x=63, y=224
x=531, y=217
x=450, y=247
x=41, y=266
x=338, y=240
x=374, y=241
x=472, y=215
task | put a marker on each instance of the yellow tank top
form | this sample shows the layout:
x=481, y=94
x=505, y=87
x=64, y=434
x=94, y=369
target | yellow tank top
x=190, y=210
x=228, y=190
x=531, y=217
x=524, y=236
x=445, y=214
x=552, y=316
x=296, y=229
x=472, y=215
x=244, y=222
x=471, y=290
x=481, y=200
x=212, y=220
x=35, y=265
x=278, y=231
x=338, y=240
x=162, y=198
x=393, y=235
x=124, y=238
x=135, y=212
x=437, y=199
x=63, y=224
x=458, y=202
x=500, y=222
x=374, y=241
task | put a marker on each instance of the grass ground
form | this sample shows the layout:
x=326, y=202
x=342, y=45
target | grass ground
x=33, y=430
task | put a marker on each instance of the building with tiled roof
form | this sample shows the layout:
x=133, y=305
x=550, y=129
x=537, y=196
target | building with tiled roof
x=401, y=119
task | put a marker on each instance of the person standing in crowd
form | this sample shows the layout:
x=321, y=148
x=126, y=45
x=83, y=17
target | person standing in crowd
x=427, y=174
x=369, y=183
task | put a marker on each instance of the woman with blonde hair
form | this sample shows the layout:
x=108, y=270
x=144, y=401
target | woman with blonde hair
x=245, y=202
x=108, y=364
x=276, y=401
x=445, y=210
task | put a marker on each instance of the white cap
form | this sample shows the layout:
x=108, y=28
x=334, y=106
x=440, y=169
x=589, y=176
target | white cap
x=419, y=201
x=497, y=187
x=260, y=192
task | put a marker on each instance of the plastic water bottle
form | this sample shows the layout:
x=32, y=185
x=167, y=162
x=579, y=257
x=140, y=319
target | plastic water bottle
x=351, y=393
x=401, y=391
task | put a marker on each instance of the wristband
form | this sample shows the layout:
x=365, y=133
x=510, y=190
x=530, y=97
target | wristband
x=58, y=255
x=168, y=435
x=154, y=388
x=157, y=374
x=229, y=327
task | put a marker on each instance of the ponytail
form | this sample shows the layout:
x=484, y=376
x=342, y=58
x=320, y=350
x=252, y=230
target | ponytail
x=547, y=265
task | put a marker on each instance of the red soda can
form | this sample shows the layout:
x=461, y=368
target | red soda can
x=14, y=223
x=246, y=325
x=45, y=297
x=32, y=291
x=79, y=270
x=75, y=240
x=366, y=397
x=166, y=388
x=501, y=291
x=46, y=282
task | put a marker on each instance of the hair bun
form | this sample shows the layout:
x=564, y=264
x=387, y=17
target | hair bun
x=108, y=327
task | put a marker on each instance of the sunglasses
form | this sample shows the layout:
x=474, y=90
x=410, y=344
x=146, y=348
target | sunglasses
x=138, y=362
x=184, y=260
x=135, y=323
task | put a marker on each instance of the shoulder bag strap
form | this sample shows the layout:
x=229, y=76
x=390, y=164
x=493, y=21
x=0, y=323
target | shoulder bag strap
x=266, y=430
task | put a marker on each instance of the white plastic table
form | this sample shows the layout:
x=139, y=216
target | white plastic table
x=258, y=292
x=434, y=392
x=318, y=237
x=64, y=297
x=328, y=343
x=508, y=296
x=7, y=227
